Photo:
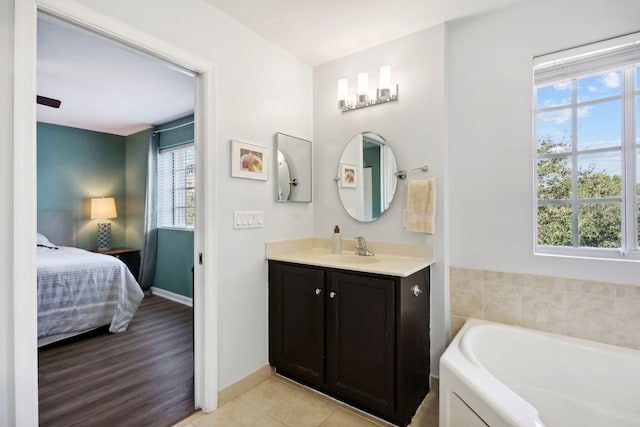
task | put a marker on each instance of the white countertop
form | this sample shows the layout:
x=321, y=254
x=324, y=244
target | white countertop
x=392, y=259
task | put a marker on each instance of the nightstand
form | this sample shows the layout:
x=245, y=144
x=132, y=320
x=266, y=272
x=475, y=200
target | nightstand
x=131, y=257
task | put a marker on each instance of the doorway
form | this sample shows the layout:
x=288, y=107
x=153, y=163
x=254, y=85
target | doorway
x=205, y=337
x=91, y=146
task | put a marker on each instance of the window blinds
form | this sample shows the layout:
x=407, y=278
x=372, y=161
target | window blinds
x=176, y=187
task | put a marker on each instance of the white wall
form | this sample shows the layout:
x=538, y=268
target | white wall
x=414, y=127
x=6, y=213
x=489, y=113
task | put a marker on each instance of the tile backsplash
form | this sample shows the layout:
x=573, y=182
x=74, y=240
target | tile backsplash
x=598, y=311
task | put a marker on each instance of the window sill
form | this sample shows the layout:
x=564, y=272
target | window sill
x=176, y=228
x=586, y=253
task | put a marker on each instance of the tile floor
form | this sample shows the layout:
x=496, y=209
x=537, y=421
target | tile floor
x=278, y=402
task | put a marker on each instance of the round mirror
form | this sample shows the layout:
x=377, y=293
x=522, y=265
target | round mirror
x=367, y=176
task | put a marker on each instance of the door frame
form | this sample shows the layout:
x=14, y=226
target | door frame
x=25, y=353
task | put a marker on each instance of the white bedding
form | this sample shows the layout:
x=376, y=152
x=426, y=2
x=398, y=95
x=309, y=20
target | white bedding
x=80, y=290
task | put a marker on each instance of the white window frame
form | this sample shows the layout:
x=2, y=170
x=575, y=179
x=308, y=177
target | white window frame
x=170, y=219
x=620, y=54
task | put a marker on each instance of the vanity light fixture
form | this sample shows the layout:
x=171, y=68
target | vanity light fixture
x=364, y=97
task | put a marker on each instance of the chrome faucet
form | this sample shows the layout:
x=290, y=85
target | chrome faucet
x=361, y=247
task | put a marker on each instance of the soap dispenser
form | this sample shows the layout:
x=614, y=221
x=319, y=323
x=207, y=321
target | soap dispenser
x=336, y=241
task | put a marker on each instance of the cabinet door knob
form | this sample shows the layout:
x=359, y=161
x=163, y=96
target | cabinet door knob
x=416, y=290
x=318, y=291
x=332, y=294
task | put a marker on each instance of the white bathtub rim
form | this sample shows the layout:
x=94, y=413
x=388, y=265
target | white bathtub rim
x=480, y=389
x=582, y=343
x=510, y=410
x=464, y=374
x=573, y=356
x=500, y=404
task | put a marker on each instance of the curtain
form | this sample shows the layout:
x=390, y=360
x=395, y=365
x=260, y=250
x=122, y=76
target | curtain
x=150, y=244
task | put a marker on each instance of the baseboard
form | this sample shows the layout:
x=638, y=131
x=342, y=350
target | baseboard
x=163, y=293
x=234, y=390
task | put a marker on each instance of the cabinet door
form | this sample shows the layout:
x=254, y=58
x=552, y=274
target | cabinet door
x=412, y=338
x=296, y=321
x=361, y=339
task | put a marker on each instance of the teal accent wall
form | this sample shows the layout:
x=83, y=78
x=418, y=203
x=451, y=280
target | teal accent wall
x=75, y=165
x=174, y=261
x=174, y=258
x=136, y=183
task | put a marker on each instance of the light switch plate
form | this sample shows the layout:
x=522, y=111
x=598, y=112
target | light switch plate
x=248, y=219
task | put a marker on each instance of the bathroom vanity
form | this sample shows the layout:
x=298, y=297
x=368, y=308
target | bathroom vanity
x=350, y=327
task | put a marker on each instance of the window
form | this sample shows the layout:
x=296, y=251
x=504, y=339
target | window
x=587, y=104
x=176, y=187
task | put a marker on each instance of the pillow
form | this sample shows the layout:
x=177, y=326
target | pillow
x=44, y=242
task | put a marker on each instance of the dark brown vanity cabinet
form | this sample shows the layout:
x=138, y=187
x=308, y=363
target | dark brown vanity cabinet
x=362, y=338
x=296, y=321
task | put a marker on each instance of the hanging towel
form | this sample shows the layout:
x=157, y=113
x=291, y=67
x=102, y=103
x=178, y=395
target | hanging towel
x=421, y=206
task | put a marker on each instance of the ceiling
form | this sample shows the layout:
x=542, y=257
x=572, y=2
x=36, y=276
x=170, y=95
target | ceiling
x=320, y=31
x=107, y=87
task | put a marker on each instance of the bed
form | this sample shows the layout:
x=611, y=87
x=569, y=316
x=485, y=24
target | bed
x=78, y=290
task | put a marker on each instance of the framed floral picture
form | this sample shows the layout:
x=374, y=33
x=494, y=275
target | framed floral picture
x=249, y=160
x=348, y=175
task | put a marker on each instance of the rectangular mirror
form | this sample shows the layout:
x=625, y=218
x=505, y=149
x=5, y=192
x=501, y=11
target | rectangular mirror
x=293, y=183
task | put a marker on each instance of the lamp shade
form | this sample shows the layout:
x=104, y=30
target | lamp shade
x=103, y=208
x=363, y=83
x=385, y=77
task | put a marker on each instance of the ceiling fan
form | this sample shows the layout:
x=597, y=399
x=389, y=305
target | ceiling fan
x=49, y=102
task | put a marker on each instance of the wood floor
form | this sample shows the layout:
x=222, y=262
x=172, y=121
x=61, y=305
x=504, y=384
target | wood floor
x=141, y=377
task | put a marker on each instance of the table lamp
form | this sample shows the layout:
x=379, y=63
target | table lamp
x=104, y=208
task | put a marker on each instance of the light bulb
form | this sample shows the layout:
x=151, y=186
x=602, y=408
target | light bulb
x=363, y=83
x=384, y=91
x=385, y=77
x=343, y=94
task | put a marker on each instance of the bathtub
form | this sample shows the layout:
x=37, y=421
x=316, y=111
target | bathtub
x=499, y=375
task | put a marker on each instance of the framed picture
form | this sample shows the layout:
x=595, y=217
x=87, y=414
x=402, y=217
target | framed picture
x=249, y=161
x=348, y=175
